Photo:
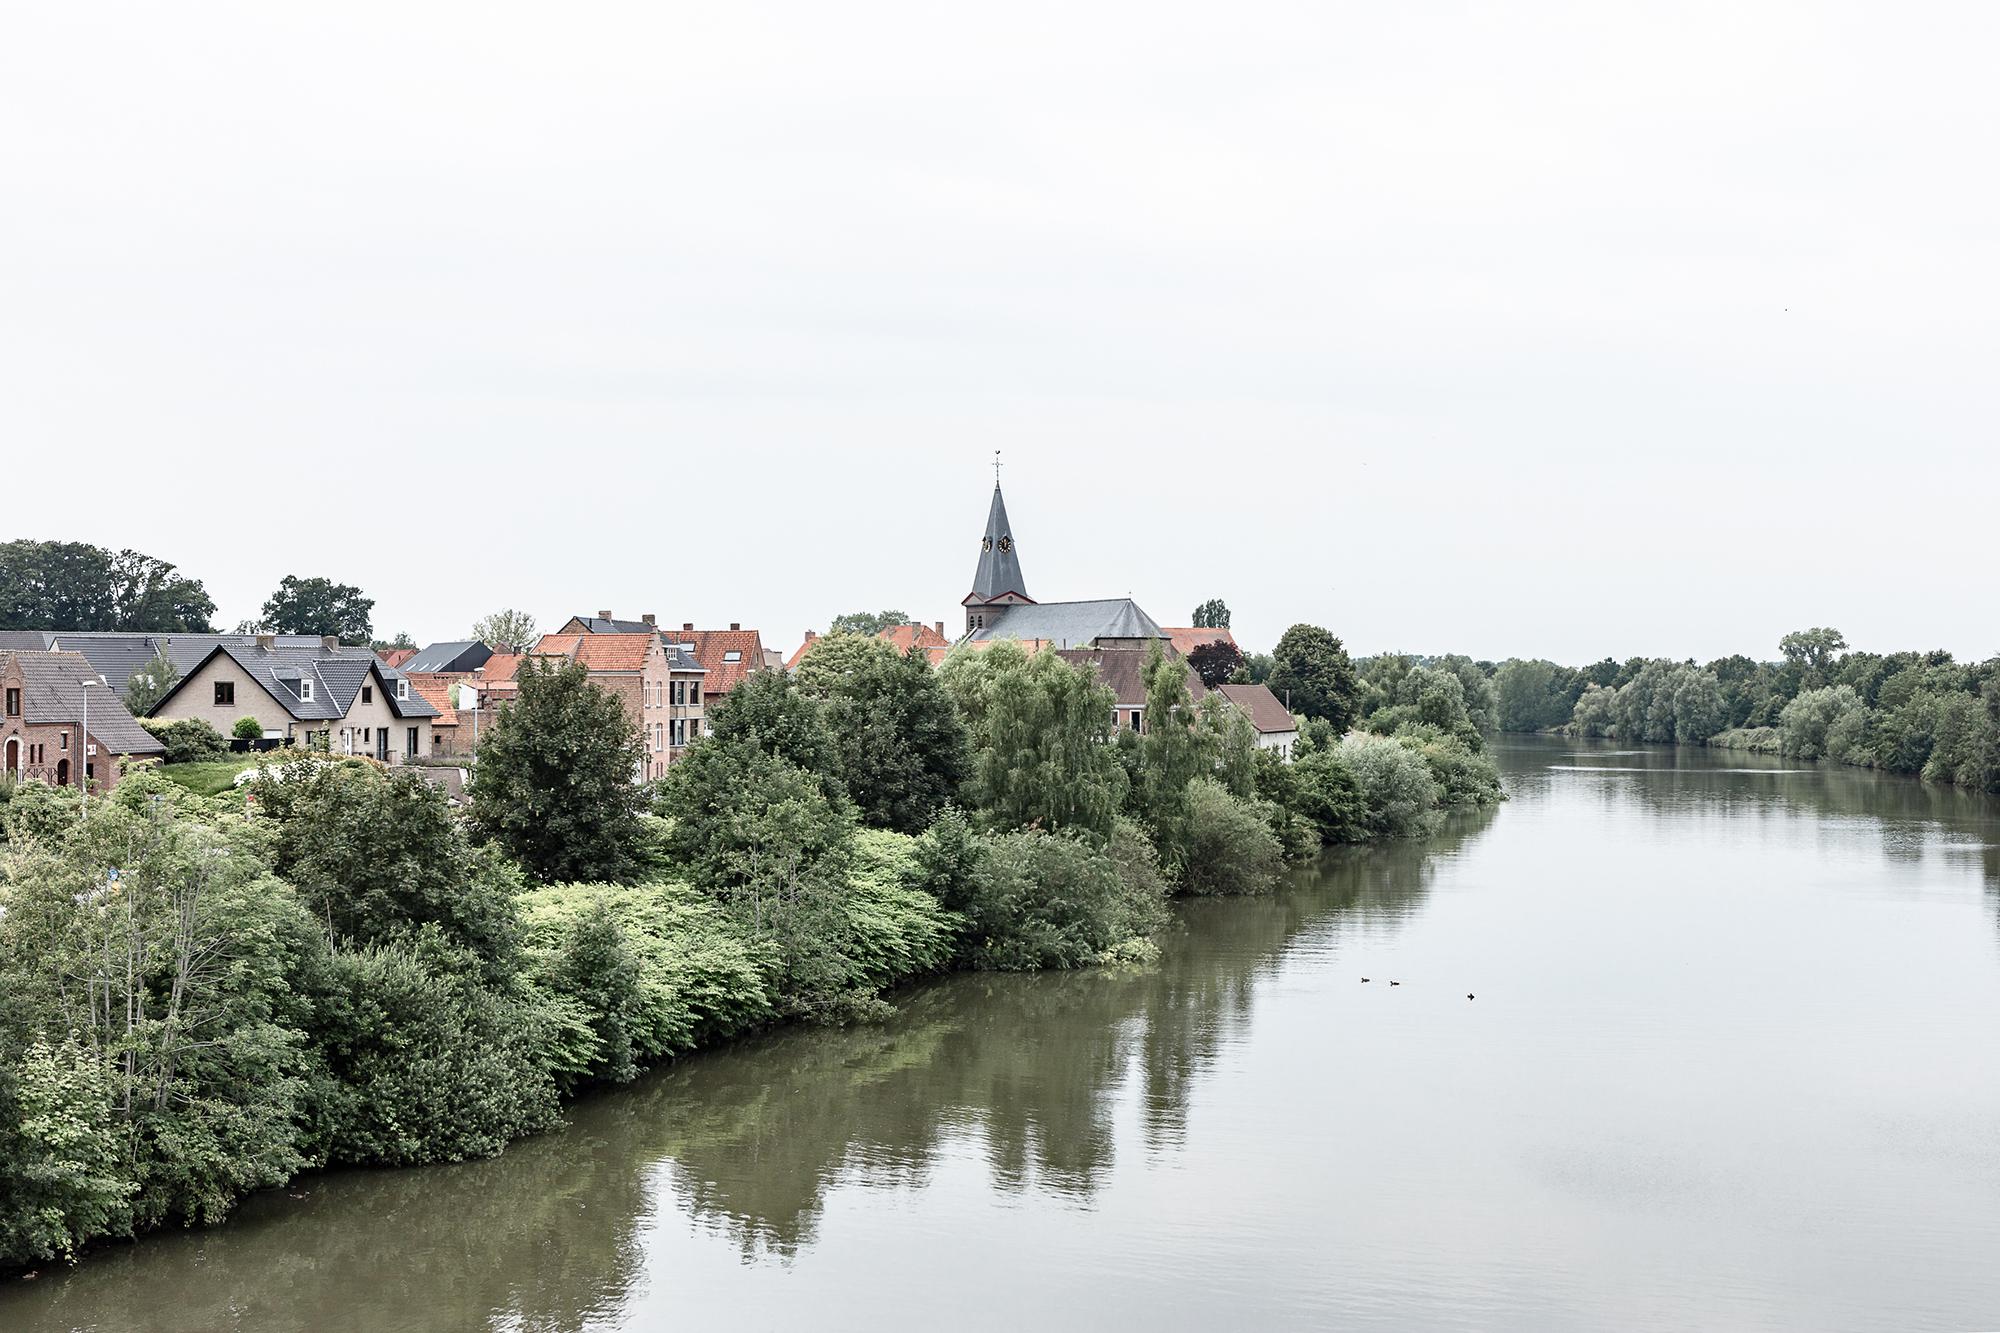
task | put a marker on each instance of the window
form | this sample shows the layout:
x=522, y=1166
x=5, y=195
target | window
x=367, y=697
x=225, y=693
x=694, y=692
x=13, y=703
x=305, y=689
x=364, y=735
x=410, y=742
x=732, y=656
x=62, y=741
x=402, y=689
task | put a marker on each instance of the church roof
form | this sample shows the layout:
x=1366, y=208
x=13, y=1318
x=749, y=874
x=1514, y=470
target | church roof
x=1069, y=624
x=999, y=570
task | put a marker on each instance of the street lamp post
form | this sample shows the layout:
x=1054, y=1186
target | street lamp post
x=83, y=755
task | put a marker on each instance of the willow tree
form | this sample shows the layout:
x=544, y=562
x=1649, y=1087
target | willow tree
x=1038, y=728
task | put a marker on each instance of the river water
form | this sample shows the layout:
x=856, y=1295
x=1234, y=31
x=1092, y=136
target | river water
x=1733, y=1062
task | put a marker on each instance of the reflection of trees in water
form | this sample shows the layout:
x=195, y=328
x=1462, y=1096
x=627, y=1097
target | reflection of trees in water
x=1024, y=1071
x=1033, y=1066
x=545, y=1234
x=1908, y=820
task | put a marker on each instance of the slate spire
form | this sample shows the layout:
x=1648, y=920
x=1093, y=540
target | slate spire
x=999, y=562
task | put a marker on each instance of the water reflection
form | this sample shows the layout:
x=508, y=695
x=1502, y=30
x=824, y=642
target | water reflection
x=747, y=1142
x=1730, y=1066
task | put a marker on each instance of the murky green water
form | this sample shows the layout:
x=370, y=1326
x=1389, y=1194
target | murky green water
x=1734, y=1063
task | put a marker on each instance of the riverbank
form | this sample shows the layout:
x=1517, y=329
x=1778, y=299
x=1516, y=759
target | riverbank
x=1677, y=1111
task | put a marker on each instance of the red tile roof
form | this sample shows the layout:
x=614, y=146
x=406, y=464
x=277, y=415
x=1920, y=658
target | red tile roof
x=712, y=646
x=395, y=657
x=599, y=652
x=435, y=687
x=905, y=637
x=1266, y=711
x=1186, y=641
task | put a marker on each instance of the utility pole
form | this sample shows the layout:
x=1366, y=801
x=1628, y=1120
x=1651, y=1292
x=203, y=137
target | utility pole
x=83, y=750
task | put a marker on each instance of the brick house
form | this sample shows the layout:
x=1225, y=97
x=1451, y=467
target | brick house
x=305, y=691
x=42, y=737
x=659, y=685
x=726, y=656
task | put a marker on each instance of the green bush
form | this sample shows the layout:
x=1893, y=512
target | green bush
x=188, y=740
x=1228, y=846
x=429, y=1062
x=1465, y=776
x=1398, y=795
x=247, y=729
x=694, y=978
x=1047, y=900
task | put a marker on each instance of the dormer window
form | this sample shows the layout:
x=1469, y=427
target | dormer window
x=305, y=689
x=402, y=688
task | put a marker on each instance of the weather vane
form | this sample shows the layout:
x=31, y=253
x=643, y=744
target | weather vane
x=996, y=467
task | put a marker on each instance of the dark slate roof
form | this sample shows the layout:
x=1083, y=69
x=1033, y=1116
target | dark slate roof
x=999, y=569
x=1266, y=711
x=607, y=625
x=117, y=654
x=52, y=684
x=337, y=675
x=1069, y=624
x=27, y=640
x=1124, y=670
x=680, y=659
x=452, y=655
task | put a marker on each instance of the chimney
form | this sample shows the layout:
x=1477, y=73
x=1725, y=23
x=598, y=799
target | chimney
x=330, y=642
x=811, y=634
x=736, y=624
x=604, y=615
x=267, y=640
x=938, y=625
x=687, y=627
x=648, y=618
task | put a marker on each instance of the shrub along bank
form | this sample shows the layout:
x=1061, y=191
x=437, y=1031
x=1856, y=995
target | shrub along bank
x=196, y=1002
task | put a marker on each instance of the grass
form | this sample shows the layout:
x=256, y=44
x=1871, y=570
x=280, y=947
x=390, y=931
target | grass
x=209, y=776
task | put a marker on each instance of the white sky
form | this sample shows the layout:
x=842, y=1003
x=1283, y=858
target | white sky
x=1556, y=329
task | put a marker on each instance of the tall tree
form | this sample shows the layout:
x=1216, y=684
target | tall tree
x=319, y=606
x=1313, y=673
x=557, y=784
x=1812, y=651
x=505, y=631
x=76, y=586
x=1212, y=614
x=900, y=744
x=1216, y=663
x=867, y=622
x=1038, y=728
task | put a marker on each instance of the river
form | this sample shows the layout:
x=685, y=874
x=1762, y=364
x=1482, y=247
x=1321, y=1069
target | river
x=1682, y=1039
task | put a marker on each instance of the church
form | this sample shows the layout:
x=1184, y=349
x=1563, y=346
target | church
x=999, y=607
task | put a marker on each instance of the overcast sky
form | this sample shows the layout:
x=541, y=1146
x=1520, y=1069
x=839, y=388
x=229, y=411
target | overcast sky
x=1551, y=330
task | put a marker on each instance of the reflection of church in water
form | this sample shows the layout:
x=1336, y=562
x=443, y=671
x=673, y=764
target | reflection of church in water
x=998, y=607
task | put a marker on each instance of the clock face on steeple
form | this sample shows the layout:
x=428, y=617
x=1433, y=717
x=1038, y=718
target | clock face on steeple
x=985, y=543
x=1006, y=543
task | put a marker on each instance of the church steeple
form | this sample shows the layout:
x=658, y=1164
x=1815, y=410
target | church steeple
x=998, y=578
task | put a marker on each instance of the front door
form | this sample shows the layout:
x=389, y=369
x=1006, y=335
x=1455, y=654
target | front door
x=13, y=756
x=382, y=744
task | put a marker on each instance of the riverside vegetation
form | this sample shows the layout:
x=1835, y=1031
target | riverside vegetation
x=1919, y=713
x=202, y=996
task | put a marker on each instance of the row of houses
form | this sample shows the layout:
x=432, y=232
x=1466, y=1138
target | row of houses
x=65, y=720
